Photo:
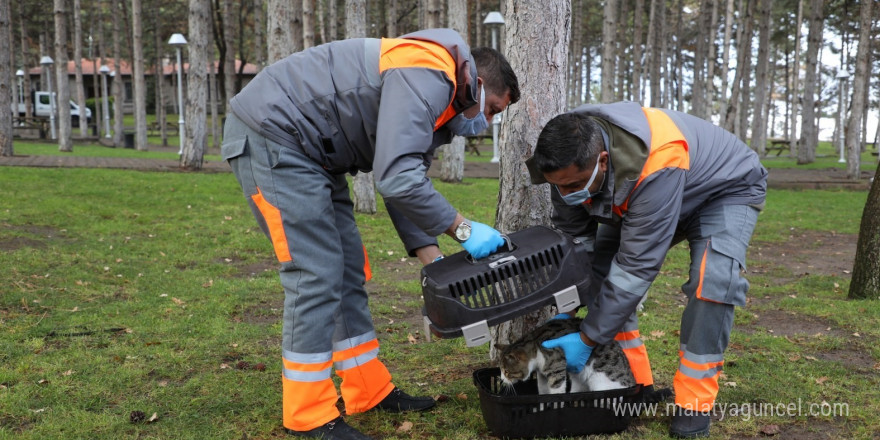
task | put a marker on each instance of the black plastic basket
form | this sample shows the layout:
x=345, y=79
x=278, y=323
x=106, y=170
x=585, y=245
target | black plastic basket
x=539, y=267
x=521, y=412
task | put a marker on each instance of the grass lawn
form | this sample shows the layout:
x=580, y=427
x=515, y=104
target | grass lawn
x=128, y=294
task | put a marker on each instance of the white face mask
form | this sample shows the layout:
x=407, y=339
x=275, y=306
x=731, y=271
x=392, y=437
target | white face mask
x=463, y=126
x=578, y=197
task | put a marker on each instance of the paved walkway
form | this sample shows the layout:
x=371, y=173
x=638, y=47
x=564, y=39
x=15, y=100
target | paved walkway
x=778, y=178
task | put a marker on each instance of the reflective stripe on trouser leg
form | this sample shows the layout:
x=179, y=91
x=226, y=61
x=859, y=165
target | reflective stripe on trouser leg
x=718, y=240
x=630, y=341
x=309, y=396
x=323, y=279
x=365, y=380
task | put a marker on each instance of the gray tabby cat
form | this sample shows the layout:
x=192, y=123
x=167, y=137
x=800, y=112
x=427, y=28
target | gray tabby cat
x=607, y=369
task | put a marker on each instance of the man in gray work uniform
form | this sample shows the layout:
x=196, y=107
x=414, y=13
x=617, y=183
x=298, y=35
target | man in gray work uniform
x=296, y=130
x=653, y=178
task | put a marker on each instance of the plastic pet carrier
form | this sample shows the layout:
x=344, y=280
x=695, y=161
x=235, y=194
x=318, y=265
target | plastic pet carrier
x=520, y=412
x=539, y=267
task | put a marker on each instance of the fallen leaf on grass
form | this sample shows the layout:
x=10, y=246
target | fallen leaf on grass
x=795, y=358
x=67, y=373
x=658, y=333
x=730, y=384
x=462, y=396
x=412, y=339
x=406, y=426
x=440, y=398
x=177, y=301
x=770, y=429
x=821, y=380
x=810, y=358
x=153, y=418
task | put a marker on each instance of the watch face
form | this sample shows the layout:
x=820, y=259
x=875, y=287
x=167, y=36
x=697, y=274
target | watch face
x=463, y=231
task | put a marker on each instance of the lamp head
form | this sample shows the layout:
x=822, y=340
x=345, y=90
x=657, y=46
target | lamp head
x=494, y=18
x=177, y=40
x=104, y=70
x=46, y=60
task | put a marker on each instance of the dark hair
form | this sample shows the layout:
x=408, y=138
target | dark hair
x=496, y=72
x=569, y=138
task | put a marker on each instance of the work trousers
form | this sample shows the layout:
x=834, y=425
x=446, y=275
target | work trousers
x=718, y=238
x=307, y=214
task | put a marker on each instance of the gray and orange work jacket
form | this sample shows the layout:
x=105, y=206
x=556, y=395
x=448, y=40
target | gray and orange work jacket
x=664, y=168
x=371, y=104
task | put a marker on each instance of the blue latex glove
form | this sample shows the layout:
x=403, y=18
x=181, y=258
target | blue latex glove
x=576, y=352
x=483, y=241
x=561, y=316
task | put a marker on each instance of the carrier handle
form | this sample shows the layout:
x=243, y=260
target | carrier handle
x=508, y=247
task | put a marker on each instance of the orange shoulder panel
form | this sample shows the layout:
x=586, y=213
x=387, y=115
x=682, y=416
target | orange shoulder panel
x=395, y=53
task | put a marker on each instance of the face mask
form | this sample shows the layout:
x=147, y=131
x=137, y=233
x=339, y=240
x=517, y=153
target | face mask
x=463, y=126
x=578, y=197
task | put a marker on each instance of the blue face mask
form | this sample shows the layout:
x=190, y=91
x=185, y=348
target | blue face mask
x=578, y=197
x=463, y=126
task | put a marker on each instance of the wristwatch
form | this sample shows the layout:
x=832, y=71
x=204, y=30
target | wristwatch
x=463, y=231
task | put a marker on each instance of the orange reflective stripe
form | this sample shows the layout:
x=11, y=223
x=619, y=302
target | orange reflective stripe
x=699, y=293
x=695, y=394
x=368, y=272
x=308, y=405
x=637, y=357
x=272, y=217
x=626, y=336
x=397, y=53
x=356, y=351
x=364, y=386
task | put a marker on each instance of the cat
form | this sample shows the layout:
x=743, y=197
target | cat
x=607, y=368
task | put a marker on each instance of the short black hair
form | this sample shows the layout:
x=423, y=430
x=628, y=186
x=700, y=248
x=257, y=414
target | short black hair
x=496, y=72
x=569, y=138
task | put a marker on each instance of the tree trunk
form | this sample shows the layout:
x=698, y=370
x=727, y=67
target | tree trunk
x=279, y=38
x=199, y=45
x=363, y=186
x=704, y=38
x=452, y=165
x=743, y=43
x=620, y=52
x=77, y=62
x=118, y=98
x=762, y=85
x=809, y=129
x=537, y=35
x=62, y=102
x=858, y=109
x=161, y=112
x=333, y=21
x=214, y=94
x=259, y=37
x=432, y=14
x=609, y=30
x=308, y=23
x=725, y=61
x=296, y=26
x=320, y=18
x=638, y=38
x=6, y=80
x=656, y=34
x=229, y=74
x=865, y=282
x=140, y=84
x=391, y=18
x=795, y=83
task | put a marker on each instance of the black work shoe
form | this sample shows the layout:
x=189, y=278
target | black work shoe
x=689, y=424
x=650, y=395
x=398, y=401
x=334, y=430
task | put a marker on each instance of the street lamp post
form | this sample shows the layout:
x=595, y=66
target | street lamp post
x=47, y=63
x=494, y=20
x=178, y=41
x=842, y=76
x=18, y=104
x=105, y=108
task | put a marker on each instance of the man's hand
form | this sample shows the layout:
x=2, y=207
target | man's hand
x=577, y=353
x=483, y=241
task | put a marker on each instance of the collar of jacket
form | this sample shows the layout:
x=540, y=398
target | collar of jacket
x=466, y=68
